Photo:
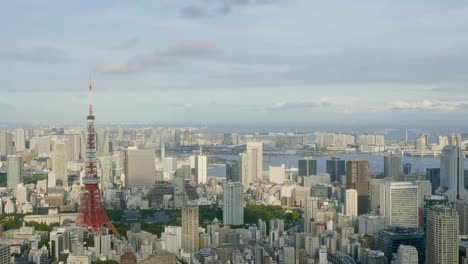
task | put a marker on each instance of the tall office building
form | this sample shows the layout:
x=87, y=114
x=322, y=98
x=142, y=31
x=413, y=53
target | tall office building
x=201, y=169
x=358, y=178
x=139, y=167
x=60, y=161
x=255, y=161
x=392, y=166
x=20, y=143
x=336, y=168
x=351, y=203
x=307, y=166
x=442, y=235
x=244, y=170
x=452, y=174
x=462, y=209
x=390, y=239
x=233, y=203
x=375, y=193
x=179, y=185
x=190, y=225
x=399, y=204
x=6, y=143
x=14, y=170
x=102, y=141
x=433, y=175
x=233, y=171
x=424, y=190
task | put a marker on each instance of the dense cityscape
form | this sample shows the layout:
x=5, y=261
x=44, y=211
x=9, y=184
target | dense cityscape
x=145, y=195
x=233, y=132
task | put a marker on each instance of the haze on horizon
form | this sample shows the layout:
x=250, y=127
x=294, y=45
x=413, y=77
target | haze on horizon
x=239, y=61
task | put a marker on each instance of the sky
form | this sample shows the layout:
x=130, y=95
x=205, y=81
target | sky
x=236, y=62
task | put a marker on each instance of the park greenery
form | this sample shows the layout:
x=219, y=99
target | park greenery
x=252, y=213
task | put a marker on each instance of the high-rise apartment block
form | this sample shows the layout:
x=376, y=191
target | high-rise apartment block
x=351, y=203
x=255, y=161
x=60, y=161
x=190, y=225
x=201, y=169
x=442, y=235
x=233, y=203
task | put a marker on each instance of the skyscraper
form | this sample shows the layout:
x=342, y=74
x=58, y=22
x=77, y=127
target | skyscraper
x=442, y=235
x=60, y=161
x=233, y=203
x=390, y=239
x=6, y=143
x=351, y=203
x=244, y=170
x=179, y=185
x=233, y=171
x=255, y=161
x=399, y=204
x=336, y=168
x=20, y=144
x=190, y=225
x=201, y=169
x=433, y=175
x=407, y=168
x=358, y=178
x=452, y=174
x=392, y=166
x=307, y=166
x=14, y=170
x=139, y=167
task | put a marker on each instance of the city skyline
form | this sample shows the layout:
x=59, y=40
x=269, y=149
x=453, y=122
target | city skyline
x=243, y=61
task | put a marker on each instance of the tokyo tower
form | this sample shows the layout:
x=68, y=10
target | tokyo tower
x=93, y=215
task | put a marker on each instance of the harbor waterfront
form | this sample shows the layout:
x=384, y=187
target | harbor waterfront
x=376, y=162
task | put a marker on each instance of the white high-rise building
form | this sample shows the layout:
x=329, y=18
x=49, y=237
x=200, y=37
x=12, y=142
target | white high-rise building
x=201, y=169
x=407, y=255
x=60, y=161
x=452, y=177
x=20, y=144
x=14, y=170
x=277, y=174
x=351, y=203
x=102, y=245
x=255, y=161
x=311, y=209
x=442, y=235
x=172, y=238
x=399, y=204
x=233, y=203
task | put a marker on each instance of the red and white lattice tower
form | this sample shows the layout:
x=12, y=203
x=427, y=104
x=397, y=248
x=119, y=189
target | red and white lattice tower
x=93, y=215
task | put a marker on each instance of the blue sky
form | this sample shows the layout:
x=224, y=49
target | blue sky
x=240, y=61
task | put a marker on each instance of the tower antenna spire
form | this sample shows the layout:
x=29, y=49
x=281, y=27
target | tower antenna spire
x=93, y=215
